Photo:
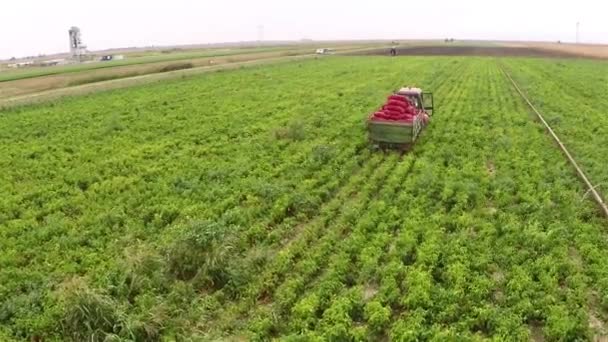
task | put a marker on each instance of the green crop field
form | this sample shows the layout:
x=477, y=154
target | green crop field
x=18, y=74
x=248, y=205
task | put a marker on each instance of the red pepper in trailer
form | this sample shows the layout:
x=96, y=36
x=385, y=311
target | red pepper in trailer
x=400, y=120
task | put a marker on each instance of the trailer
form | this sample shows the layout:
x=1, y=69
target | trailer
x=400, y=134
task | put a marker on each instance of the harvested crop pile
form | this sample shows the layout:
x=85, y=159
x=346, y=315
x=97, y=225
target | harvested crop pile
x=396, y=108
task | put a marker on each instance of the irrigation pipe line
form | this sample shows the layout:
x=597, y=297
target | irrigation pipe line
x=588, y=191
x=581, y=174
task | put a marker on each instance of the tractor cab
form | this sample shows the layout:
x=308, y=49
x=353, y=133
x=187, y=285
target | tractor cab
x=421, y=100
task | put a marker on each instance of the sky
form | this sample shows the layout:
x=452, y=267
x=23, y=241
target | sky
x=32, y=27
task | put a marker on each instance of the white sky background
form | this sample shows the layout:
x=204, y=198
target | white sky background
x=31, y=27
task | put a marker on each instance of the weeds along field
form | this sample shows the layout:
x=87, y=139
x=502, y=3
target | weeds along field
x=572, y=97
x=247, y=205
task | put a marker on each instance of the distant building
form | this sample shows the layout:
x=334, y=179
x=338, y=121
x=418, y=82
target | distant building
x=77, y=48
x=20, y=64
x=52, y=62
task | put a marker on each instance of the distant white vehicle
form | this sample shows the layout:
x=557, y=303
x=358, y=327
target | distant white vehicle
x=323, y=51
x=111, y=58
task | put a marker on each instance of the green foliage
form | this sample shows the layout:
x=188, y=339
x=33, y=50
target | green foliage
x=257, y=212
x=202, y=251
x=377, y=316
x=408, y=328
x=294, y=131
x=564, y=324
x=305, y=313
x=87, y=315
x=336, y=322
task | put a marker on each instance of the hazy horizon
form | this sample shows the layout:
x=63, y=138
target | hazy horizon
x=33, y=28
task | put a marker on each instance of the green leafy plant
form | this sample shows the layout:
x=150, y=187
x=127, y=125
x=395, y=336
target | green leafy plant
x=258, y=212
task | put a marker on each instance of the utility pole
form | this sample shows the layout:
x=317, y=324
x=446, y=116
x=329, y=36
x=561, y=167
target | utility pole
x=578, y=25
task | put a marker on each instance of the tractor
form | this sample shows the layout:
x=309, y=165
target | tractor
x=402, y=134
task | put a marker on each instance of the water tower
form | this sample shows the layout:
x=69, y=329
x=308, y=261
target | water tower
x=77, y=48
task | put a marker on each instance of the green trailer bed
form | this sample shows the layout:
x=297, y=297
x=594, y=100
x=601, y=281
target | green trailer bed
x=385, y=133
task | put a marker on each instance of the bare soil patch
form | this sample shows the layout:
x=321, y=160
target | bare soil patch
x=491, y=168
x=584, y=50
x=492, y=51
x=536, y=332
x=369, y=292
